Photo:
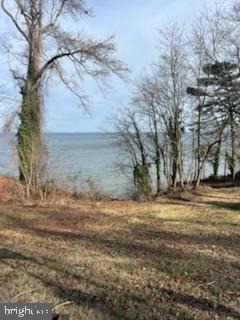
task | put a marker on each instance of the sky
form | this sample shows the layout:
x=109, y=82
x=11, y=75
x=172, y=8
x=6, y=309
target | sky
x=134, y=24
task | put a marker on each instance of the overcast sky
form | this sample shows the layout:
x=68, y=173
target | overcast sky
x=135, y=24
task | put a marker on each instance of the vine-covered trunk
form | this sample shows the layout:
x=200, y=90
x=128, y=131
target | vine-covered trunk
x=29, y=132
x=142, y=181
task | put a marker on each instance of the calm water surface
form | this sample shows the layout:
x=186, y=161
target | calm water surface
x=74, y=158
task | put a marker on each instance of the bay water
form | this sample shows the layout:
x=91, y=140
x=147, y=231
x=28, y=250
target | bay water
x=74, y=158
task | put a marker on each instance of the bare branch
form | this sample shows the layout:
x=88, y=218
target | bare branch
x=14, y=20
x=81, y=51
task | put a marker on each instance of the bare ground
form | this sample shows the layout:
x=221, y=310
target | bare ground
x=177, y=258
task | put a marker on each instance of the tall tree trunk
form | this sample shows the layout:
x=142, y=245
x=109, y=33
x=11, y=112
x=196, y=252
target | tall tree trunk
x=174, y=171
x=201, y=169
x=157, y=154
x=199, y=142
x=180, y=164
x=29, y=132
x=217, y=160
x=158, y=173
x=233, y=155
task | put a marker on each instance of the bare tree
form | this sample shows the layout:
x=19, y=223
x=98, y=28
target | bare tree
x=193, y=88
x=216, y=44
x=171, y=70
x=148, y=101
x=46, y=50
x=133, y=142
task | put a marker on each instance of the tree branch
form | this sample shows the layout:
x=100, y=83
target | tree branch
x=81, y=51
x=54, y=20
x=14, y=20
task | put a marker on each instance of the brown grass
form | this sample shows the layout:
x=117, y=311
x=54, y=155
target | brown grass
x=51, y=193
x=10, y=190
x=174, y=259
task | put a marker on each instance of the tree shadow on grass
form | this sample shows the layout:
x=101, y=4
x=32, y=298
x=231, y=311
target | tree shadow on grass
x=112, y=303
x=140, y=245
x=190, y=221
x=226, y=241
x=234, y=206
x=145, y=243
x=202, y=304
x=6, y=254
x=117, y=312
x=115, y=309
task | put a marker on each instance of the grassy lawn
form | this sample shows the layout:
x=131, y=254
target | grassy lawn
x=175, y=259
